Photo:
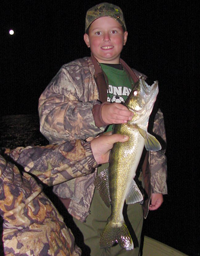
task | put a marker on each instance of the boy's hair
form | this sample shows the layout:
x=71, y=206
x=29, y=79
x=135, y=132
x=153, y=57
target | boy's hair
x=102, y=10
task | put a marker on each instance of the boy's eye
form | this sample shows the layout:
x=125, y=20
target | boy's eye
x=98, y=33
x=113, y=31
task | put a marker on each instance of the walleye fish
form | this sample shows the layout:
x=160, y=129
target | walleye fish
x=124, y=160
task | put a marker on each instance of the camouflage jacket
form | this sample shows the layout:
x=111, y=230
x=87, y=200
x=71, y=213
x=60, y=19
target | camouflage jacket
x=65, y=110
x=25, y=209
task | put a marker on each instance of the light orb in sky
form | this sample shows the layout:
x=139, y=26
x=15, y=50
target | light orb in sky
x=11, y=32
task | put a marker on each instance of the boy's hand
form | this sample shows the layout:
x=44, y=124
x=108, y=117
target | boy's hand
x=156, y=201
x=102, y=145
x=115, y=113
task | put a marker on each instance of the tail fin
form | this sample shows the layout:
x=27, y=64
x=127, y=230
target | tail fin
x=116, y=234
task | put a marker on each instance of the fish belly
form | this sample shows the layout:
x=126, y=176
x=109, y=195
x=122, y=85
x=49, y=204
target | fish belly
x=122, y=170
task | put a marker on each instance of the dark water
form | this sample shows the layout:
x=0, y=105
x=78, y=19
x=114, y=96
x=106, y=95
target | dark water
x=176, y=223
x=20, y=130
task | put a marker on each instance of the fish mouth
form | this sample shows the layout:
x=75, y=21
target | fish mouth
x=148, y=94
x=150, y=90
x=143, y=99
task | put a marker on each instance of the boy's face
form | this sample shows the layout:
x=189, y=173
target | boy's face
x=106, y=39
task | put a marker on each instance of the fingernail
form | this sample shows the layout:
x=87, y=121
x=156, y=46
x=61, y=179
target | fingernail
x=125, y=137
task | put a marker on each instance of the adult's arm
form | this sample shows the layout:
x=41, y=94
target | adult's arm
x=54, y=164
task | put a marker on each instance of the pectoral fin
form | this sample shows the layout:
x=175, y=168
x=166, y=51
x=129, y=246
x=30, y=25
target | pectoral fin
x=134, y=194
x=151, y=143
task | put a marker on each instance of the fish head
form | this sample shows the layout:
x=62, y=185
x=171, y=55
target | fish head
x=141, y=101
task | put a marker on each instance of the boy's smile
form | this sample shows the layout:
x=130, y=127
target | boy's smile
x=106, y=39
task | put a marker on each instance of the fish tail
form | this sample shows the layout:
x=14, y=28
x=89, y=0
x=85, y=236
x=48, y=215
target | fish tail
x=116, y=234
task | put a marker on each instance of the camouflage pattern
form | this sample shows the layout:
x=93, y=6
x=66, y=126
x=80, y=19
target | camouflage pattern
x=102, y=10
x=157, y=160
x=32, y=225
x=55, y=164
x=65, y=109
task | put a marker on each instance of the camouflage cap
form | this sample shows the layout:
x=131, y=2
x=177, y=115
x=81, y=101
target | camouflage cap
x=104, y=9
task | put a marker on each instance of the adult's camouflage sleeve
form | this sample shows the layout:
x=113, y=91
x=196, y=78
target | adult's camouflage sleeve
x=31, y=223
x=55, y=164
x=158, y=160
x=65, y=106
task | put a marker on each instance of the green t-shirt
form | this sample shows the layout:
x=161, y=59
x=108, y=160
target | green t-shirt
x=119, y=85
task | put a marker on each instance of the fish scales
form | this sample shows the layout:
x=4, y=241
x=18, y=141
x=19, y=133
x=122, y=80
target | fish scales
x=124, y=157
x=124, y=160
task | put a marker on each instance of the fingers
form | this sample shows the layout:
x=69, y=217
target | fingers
x=154, y=207
x=121, y=113
x=117, y=138
x=115, y=113
x=102, y=145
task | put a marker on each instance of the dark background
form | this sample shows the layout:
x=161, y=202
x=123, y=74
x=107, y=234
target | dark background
x=162, y=44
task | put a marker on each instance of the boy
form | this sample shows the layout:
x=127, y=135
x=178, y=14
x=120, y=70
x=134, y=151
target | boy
x=80, y=102
x=31, y=223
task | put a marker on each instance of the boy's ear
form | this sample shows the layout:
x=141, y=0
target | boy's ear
x=125, y=37
x=87, y=40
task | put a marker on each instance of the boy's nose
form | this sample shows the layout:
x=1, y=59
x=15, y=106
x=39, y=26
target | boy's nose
x=106, y=36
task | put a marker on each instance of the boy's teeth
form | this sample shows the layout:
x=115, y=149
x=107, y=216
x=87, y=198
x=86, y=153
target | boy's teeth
x=107, y=47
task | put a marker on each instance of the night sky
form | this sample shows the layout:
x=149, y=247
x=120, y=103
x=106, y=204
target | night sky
x=162, y=43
